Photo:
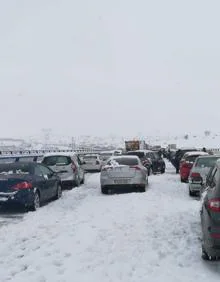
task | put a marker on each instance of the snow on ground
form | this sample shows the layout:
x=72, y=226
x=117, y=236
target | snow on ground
x=87, y=236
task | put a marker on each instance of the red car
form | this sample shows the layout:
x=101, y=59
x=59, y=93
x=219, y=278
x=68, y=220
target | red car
x=187, y=162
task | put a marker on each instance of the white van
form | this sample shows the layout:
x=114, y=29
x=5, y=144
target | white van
x=68, y=166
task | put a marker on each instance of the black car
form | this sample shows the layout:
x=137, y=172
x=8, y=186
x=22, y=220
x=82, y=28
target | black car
x=152, y=160
x=145, y=159
x=28, y=184
x=158, y=164
x=210, y=215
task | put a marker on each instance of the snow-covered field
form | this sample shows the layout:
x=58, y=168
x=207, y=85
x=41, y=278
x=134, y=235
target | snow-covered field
x=90, y=237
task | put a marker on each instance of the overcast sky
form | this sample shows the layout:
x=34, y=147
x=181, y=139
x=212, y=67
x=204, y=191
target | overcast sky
x=101, y=67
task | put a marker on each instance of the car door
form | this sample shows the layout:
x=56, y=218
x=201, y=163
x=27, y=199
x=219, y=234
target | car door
x=40, y=182
x=207, y=194
x=80, y=168
x=51, y=181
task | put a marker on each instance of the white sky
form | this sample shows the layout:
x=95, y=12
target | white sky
x=109, y=66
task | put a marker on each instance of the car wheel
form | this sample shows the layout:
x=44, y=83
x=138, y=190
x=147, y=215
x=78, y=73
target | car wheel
x=59, y=192
x=142, y=189
x=77, y=182
x=191, y=194
x=163, y=170
x=104, y=190
x=83, y=180
x=36, y=202
x=204, y=254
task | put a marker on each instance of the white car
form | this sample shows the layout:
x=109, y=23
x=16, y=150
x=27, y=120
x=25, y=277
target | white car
x=92, y=162
x=68, y=166
x=123, y=173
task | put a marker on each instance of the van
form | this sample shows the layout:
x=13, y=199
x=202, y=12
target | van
x=68, y=166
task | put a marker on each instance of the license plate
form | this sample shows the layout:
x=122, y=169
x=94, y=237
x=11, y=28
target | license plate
x=3, y=199
x=121, y=181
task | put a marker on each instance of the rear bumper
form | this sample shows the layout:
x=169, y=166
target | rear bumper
x=20, y=198
x=195, y=187
x=122, y=187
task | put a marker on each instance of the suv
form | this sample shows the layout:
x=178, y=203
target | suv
x=210, y=216
x=68, y=166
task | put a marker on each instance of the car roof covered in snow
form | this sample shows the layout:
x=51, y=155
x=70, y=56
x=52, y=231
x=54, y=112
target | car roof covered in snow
x=209, y=156
x=65, y=154
x=124, y=157
x=194, y=153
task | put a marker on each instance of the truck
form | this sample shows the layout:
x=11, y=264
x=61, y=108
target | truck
x=133, y=145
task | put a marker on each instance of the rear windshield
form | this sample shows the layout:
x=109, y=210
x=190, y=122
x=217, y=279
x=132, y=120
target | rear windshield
x=15, y=168
x=90, y=158
x=138, y=154
x=156, y=155
x=105, y=156
x=7, y=160
x=192, y=158
x=206, y=162
x=54, y=160
x=125, y=161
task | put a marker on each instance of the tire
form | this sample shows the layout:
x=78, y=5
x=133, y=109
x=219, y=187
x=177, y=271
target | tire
x=83, y=180
x=36, y=203
x=77, y=182
x=191, y=194
x=204, y=254
x=59, y=192
x=104, y=190
x=142, y=189
x=163, y=170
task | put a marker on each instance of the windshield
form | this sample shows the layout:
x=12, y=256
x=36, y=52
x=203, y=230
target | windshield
x=206, y=162
x=138, y=154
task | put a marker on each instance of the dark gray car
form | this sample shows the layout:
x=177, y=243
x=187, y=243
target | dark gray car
x=210, y=216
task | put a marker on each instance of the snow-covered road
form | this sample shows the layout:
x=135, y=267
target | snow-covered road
x=90, y=237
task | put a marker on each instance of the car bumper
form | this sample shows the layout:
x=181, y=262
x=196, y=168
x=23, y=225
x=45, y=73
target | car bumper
x=195, y=187
x=20, y=198
x=122, y=182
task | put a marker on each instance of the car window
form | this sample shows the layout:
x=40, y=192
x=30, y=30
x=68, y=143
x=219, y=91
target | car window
x=206, y=162
x=212, y=179
x=125, y=161
x=38, y=171
x=45, y=170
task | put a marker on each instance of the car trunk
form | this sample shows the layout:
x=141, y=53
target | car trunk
x=6, y=183
x=121, y=171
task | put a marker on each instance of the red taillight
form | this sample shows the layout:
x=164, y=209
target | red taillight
x=74, y=168
x=22, y=186
x=136, y=167
x=195, y=175
x=214, y=205
x=187, y=165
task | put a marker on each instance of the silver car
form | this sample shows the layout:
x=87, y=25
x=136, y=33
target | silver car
x=92, y=162
x=199, y=172
x=123, y=173
x=68, y=166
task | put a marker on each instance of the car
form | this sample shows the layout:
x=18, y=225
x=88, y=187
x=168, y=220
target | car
x=68, y=166
x=199, y=173
x=158, y=164
x=28, y=184
x=145, y=158
x=187, y=162
x=105, y=155
x=122, y=173
x=92, y=162
x=176, y=157
x=210, y=216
